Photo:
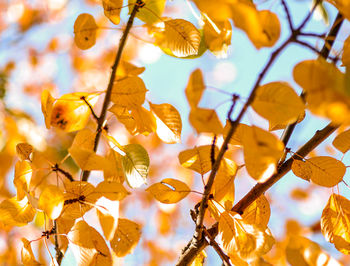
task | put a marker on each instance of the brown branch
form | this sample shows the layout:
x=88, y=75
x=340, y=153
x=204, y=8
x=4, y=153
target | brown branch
x=56, y=168
x=59, y=254
x=107, y=99
x=90, y=107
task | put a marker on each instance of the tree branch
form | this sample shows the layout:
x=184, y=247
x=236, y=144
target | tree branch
x=107, y=99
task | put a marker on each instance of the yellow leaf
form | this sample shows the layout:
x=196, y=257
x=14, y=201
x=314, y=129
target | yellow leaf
x=27, y=255
x=343, y=6
x=112, y=10
x=346, y=52
x=197, y=159
x=127, y=69
x=199, y=259
x=342, y=141
x=335, y=222
x=63, y=227
x=273, y=127
x=195, y=88
x=224, y=186
x=129, y=92
x=85, y=31
x=88, y=160
x=16, y=213
x=23, y=175
x=216, y=10
x=278, y=103
x=217, y=36
x=70, y=112
x=84, y=139
x=126, y=237
x=115, y=172
x=262, y=150
x=24, y=151
x=326, y=89
x=258, y=212
x=241, y=129
x=88, y=246
x=322, y=170
x=108, y=214
x=169, y=124
x=181, y=37
x=242, y=238
x=135, y=164
x=302, y=251
x=205, y=121
x=169, y=190
x=77, y=199
x=47, y=102
x=111, y=190
x=51, y=201
x=151, y=12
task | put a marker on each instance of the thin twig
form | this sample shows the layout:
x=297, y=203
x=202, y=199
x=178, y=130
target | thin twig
x=286, y=10
x=90, y=107
x=56, y=168
x=212, y=151
x=107, y=99
x=311, y=34
x=59, y=254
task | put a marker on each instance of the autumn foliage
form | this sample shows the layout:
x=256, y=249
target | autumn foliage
x=109, y=178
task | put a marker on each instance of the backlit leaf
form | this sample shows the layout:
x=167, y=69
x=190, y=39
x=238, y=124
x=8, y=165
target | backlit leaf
x=195, y=88
x=181, y=37
x=168, y=121
x=108, y=215
x=126, y=237
x=23, y=175
x=27, y=255
x=278, y=103
x=84, y=139
x=135, y=164
x=88, y=246
x=129, y=92
x=16, y=213
x=346, y=52
x=322, y=170
x=46, y=107
x=70, y=112
x=199, y=259
x=205, y=121
x=115, y=172
x=111, y=190
x=112, y=10
x=197, y=159
x=88, y=160
x=85, y=31
x=169, y=190
x=342, y=141
x=51, y=201
x=258, y=212
x=335, y=223
x=24, y=151
x=241, y=129
x=151, y=12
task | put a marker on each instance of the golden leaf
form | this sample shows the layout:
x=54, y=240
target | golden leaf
x=181, y=37
x=346, y=52
x=84, y=139
x=126, y=237
x=27, y=255
x=335, y=223
x=241, y=129
x=322, y=170
x=88, y=160
x=169, y=124
x=51, y=201
x=112, y=10
x=85, y=31
x=342, y=141
x=197, y=159
x=278, y=103
x=129, y=92
x=126, y=69
x=224, y=186
x=205, y=121
x=169, y=190
x=88, y=246
x=195, y=88
x=70, y=112
x=115, y=172
x=111, y=190
x=258, y=212
x=16, y=213
x=151, y=12
x=216, y=10
x=199, y=259
x=23, y=175
x=108, y=214
x=24, y=151
x=47, y=102
x=343, y=6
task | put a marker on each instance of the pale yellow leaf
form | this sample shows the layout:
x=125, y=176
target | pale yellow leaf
x=205, y=121
x=151, y=12
x=47, y=102
x=199, y=259
x=16, y=213
x=108, y=215
x=195, y=88
x=85, y=31
x=169, y=190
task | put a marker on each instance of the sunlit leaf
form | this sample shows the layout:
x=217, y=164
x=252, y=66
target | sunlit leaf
x=24, y=151
x=241, y=129
x=151, y=12
x=88, y=246
x=85, y=31
x=47, y=102
x=108, y=215
x=111, y=190
x=70, y=112
x=169, y=190
x=258, y=212
x=216, y=10
x=343, y=6
x=16, y=213
x=115, y=172
x=322, y=170
x=126, y=68
x=197, y=159
x=84, y=139
x=126, y=237
x=278, y=103
x=205, y=121
x=88, y=160
x=23, y=175
x=335, y=222
x=342, y=141
x=112, y=10
x=51, y=201
x=135, y=164
x=27, y=255
x=346, y=52
x=195, y=88
x=169, y=124
x=129, y=92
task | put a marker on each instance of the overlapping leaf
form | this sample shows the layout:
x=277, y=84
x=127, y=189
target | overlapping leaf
x=151, y=12
x=85, y=31
x=205, y=121
x=169, y=124
x=27, y=255
x=322, y=170
x=258, y=212
x=169, y=190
